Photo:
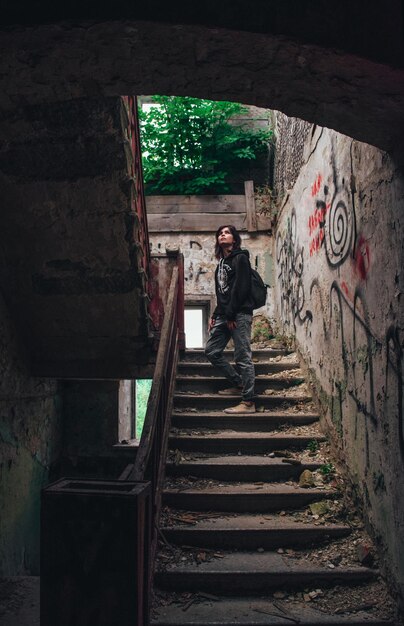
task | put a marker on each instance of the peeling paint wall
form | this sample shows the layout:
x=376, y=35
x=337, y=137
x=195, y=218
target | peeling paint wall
x=30, y=440
x=339, y=268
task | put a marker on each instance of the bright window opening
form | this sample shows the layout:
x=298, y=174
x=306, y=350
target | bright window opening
x=126, y=410
x=194, y=327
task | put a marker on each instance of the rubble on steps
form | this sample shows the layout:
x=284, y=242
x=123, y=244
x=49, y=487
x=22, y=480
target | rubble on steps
x=306, y=560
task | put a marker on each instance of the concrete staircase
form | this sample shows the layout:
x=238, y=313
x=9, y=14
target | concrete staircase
x=241, y=541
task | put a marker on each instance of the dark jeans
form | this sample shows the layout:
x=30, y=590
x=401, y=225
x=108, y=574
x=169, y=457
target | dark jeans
x=219, y=337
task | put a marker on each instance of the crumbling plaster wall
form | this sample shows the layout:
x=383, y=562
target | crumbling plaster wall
x=200, y=262
x=30, y=441
x=339, y=266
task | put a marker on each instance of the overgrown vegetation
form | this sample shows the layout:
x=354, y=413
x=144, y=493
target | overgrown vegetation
x=191, y=146
x=327, y=470
x=143, y=387
x=313, y=446
x=267, y=203
x=262, y=331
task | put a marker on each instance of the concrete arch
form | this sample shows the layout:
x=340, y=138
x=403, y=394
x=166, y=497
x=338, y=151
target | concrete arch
x=352, y=95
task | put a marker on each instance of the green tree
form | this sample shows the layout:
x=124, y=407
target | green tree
x=191, y=146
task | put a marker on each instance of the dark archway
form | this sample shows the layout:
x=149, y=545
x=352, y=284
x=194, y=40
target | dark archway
x=350, y=94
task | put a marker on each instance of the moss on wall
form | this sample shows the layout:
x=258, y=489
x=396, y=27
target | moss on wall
x=30, y=438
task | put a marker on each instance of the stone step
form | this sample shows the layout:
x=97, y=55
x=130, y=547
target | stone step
x=246, y=497
x=216, y=611
x=212, y=384
x=193, y=368
x=254, y=573
x=225, y=493
x=259, y=421
x=198, y=356
x=240, y=468
x=250, y=532
x=228, y=441
x=209, y=402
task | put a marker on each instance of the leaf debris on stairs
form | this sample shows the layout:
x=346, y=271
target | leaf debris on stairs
x=252, y=532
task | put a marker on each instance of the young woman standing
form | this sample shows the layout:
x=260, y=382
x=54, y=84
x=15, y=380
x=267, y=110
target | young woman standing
x=232, y=318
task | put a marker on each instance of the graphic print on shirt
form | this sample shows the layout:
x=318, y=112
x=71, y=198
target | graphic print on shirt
x=223, y=276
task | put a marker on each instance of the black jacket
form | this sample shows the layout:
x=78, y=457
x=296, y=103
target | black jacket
x=233, y=285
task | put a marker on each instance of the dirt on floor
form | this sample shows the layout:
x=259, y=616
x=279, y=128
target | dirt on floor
x=19, y=601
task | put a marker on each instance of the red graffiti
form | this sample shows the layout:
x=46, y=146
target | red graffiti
x=345, y=289
x=362, y=258
x=317, y=223
x=315, y=188
x=315, y=243
x=317, y=218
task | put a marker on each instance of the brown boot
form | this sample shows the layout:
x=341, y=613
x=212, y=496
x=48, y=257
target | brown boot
x=243, y=407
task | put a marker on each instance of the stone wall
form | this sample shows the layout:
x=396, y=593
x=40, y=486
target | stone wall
x=30, y=442
x=71, y=263
x=339, y=290
x=358, y=28
x=291, y=135
x=351, y=94
x=97, y=415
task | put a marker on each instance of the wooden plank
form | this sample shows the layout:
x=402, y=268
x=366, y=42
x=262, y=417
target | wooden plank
x=201, y=222
x=195, y=204
x=151, y=419
x=126, y=472
x=194, y=222
x=252, y=225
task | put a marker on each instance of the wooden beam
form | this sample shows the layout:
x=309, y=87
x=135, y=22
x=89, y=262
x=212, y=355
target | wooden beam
x=194, y=222
x=195, y=204
x=202, y=222
x=252, y=225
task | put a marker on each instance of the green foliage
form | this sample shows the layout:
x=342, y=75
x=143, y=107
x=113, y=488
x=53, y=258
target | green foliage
x=261, y=332
x=143, y=387
x=286, y=340
x=313, y=445
x=190, y=146
x=327, y=470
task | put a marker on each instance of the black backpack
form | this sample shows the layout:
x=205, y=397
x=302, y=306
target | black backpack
x=258, y=290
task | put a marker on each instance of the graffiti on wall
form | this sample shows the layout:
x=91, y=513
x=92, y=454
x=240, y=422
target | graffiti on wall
x=343, y=312
x=363, y=353
x=331, y=223
x=317, y=226
x=394, y=382
x=199, y=262
x=332, y=226
x=290, y=260
x=361, y=258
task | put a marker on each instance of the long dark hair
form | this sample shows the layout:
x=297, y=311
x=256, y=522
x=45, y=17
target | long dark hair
x=236, y=237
